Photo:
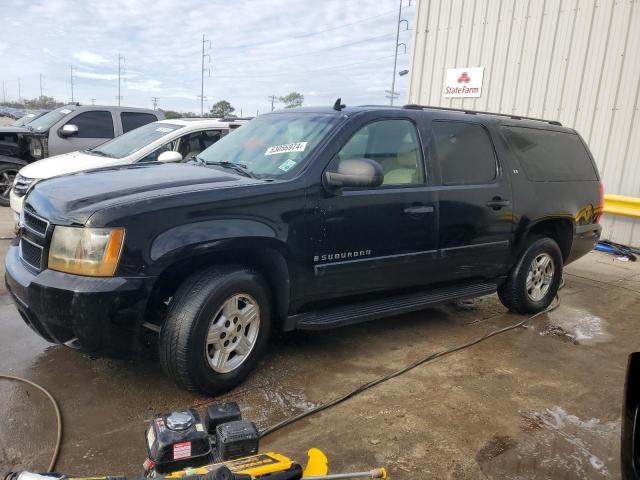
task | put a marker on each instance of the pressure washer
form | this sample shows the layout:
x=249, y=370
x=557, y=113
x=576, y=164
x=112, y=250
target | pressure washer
x=222, y=446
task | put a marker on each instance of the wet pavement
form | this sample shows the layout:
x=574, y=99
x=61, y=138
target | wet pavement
x=542, y=401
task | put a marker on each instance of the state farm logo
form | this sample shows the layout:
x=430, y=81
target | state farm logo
x=464, y=78
x=463, y=82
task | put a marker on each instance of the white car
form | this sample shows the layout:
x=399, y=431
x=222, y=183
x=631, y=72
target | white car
x=178, y=140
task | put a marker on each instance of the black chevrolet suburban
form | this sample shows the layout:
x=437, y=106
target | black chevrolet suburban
x=311, y=218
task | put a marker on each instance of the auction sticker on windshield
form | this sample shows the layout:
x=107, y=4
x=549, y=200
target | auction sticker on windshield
x=286, y=148
x=288, y=165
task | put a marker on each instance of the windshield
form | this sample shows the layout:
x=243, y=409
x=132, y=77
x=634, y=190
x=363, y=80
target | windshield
x=132, y=141
x=45, y=122
x=24, y=120
x=272, y=146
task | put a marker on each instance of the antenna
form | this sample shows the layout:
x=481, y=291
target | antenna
x=338, y=105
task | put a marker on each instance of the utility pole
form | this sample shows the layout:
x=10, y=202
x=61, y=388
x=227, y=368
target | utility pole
x=93, y=101
x=19, y=91
x=71, y=82
x=4, y=93
x=120, y=72
x=392, y=93
x=273, y=98
x=208, y=70
x=155, y=102
x=41, y=86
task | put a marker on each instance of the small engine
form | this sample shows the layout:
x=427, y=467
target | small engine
x=180, y=440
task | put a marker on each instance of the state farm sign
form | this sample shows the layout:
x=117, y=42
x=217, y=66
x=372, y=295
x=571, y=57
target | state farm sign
x=463, y=82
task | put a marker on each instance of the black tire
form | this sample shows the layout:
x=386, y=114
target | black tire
x=513, y=293
x=8, y=172
x=182, y=349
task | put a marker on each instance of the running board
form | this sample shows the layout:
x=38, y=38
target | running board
x=371, y=310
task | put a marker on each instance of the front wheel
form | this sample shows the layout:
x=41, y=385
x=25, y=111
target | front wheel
x=216, y=329
x=8, y=173
x=534, y=280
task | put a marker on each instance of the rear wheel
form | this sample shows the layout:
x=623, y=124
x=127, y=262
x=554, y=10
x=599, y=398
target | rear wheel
x=217, y=327
x=534, y=280
x=8, y=174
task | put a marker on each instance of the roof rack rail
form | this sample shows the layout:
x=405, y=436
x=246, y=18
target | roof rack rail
x=414, y=106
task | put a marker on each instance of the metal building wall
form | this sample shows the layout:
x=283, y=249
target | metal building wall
x=576, y=61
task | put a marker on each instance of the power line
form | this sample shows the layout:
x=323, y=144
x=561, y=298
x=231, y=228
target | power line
x=273, y=98
x=311, y=70
x=305, y=54
x=120, y=72
x=71, y=83
x=392, y=93
x=286, y=38
x=208, y=69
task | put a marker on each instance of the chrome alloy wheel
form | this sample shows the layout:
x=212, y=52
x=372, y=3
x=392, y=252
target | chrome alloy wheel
x=233, y=332
x=539, y=277
x=6, y=182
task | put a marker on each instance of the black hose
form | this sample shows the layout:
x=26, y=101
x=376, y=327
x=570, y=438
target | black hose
x=405, y=369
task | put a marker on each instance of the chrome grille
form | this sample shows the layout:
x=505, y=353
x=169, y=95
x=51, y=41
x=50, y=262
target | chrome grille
x=21, y=185
x=35, y=224
x=30, y=253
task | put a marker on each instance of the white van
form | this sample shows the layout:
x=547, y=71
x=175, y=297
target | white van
x=178, y=140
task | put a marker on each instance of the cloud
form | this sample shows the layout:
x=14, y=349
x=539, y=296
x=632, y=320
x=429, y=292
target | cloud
x=95, y=76
x=3, y=47
x=332, y=49
x=90, y=57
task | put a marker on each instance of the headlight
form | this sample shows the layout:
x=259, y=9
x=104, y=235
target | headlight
x=92, y=252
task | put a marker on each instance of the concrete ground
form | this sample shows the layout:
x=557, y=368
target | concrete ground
x=543, y=401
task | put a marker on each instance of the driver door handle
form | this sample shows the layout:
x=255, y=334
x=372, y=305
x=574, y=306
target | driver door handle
x=418, y=209
x=497, y=203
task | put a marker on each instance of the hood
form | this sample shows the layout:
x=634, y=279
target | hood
x=12, y=129
x=66, y=163
x=72, y=199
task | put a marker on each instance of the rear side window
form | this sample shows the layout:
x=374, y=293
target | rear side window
x=546, y=155
x=464, y=152
x=133, y=120
x=95, y=124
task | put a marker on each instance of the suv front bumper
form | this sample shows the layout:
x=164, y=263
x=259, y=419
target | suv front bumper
x=103, y=314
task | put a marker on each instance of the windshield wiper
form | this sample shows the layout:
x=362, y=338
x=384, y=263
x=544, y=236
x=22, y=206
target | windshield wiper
x=98, y=152
x=238, y=167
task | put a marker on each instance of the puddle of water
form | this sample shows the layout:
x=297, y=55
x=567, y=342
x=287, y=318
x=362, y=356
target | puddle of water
x=577, y=325
x=555, y=444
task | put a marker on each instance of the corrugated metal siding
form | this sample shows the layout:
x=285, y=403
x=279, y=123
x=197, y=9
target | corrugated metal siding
x=577, y=61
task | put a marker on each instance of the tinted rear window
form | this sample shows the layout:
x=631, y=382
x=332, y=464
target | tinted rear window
x=133, y=120
x=546, y=155
x=465, y=153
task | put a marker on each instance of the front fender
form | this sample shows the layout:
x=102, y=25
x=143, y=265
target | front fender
x=207, y=233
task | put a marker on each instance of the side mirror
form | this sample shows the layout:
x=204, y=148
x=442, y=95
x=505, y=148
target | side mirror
x=69, y=130
x=357, y=172
x=170, y=156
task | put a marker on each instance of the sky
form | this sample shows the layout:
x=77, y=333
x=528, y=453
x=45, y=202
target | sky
x=323, y=49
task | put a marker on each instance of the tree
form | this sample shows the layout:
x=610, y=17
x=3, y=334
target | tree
x=169, y=114
x=294, y=99
x=222, y=109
